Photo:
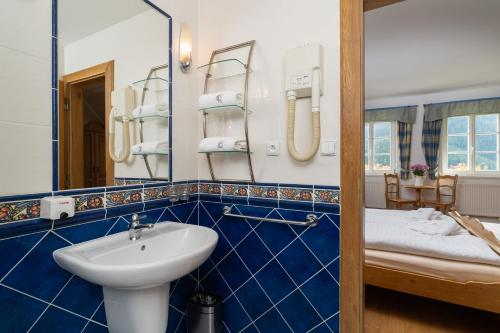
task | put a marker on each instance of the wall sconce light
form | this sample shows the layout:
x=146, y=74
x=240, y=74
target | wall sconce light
x=185, y=48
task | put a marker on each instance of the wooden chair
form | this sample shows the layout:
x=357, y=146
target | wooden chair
x=446, y=194
x=393, y=192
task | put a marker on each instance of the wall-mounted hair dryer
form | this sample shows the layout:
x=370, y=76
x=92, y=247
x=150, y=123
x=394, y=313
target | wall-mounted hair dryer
x=122, y=105
x=303, y=66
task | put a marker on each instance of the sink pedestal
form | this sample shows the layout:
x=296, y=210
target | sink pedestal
x=137, y=310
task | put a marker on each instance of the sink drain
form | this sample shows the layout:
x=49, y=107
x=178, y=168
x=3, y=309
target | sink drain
x=143, y=247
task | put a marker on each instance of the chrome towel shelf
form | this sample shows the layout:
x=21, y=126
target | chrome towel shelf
x=311, y=219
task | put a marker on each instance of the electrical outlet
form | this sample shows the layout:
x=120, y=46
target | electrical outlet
x=329, y=147
x=273, y=148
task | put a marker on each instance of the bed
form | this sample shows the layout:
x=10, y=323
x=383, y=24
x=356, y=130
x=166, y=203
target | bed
x=430, y=255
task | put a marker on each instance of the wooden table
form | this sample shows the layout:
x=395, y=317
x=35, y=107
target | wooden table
x=418, y=191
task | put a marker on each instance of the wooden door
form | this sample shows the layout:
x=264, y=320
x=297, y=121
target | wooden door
x=71, y=129
x=95, y=163
x=76, y=137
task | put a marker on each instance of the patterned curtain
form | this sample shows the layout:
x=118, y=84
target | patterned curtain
x=431, y=134
x=404, y=134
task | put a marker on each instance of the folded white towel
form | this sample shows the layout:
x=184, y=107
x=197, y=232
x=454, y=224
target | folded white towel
x=436, y=215
x=222, y=144
x=434, y=227
x=222, y=98
x=156, y=147
x=422, y=213
x=151, y=110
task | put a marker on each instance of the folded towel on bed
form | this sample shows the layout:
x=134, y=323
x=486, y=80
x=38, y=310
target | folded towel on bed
x=435, y=227
x=422, y=213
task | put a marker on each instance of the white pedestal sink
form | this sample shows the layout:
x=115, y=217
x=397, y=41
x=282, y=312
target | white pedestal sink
x=136, y=275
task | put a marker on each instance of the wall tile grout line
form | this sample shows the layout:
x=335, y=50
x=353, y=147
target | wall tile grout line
x=45, y=302
x=27, y=253
x=92, y=316
x=48, y=306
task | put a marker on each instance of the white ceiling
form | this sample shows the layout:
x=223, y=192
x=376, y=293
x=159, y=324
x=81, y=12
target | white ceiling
x=422, y=46
x=81, y=18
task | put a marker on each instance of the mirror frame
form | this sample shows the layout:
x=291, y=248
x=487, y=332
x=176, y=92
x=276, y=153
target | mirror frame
x=55, y=93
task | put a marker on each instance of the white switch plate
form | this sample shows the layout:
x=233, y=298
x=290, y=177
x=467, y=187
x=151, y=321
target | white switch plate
x=273, y=148
x=328, y=147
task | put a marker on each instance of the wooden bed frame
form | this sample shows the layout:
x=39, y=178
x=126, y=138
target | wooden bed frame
x=479, y=295
x=483, y=296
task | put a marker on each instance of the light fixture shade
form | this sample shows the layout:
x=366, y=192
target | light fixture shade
x=185, y=47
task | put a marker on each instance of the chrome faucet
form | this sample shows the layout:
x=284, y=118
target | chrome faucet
x=135, y=228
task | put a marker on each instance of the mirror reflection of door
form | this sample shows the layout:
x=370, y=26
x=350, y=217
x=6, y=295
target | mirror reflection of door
x=85, y=105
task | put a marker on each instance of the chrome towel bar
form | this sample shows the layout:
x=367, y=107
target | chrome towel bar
x=311, y=219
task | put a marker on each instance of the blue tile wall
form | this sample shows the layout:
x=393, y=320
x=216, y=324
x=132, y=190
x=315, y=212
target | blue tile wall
x=271, y=277
x=274, y=277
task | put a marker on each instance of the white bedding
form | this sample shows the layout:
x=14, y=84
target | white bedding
x=393, y=230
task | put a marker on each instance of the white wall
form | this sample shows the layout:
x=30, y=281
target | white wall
x=276, y=26
x=135, y=45
x=25, y=102
x=185, y=94
x=375, y=184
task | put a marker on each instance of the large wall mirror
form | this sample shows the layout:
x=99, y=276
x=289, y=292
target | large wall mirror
x=114, y=93
x=85, y=99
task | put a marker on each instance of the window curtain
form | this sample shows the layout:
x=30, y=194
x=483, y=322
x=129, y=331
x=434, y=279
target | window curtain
x=433, y=118
x=431, y=135
x=404, y=133
x=461, y=108
x=405, y=116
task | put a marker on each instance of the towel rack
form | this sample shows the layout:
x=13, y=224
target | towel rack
x=145, y=89
x=311, y=219
x=244, y=68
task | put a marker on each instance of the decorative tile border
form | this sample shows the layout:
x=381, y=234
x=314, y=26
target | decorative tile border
x=294, y=193
x=89, y=201
x=268, y=192
x=26, y=207
x=19, y=210
x=157, y=193
x=237, y=190
x=118, y=198
x=327, y=196
x=193, y=188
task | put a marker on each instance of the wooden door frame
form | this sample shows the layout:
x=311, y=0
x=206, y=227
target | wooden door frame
x=105, y=70
x=351, y=166
x=352, y=170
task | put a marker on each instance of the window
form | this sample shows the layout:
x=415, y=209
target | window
x=472, y=144
x=380, y=146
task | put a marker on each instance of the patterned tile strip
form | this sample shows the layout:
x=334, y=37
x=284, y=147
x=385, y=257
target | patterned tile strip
x=19, y=210
x=235, y=190
x=269, y=192
x=89, y=201
x=123, y=197
x=156, y=193
x=30, y=209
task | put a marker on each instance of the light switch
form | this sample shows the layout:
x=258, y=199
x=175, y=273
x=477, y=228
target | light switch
x=273, y=148
x=328, y=147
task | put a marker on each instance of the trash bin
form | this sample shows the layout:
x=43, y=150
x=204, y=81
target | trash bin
x=204, y=313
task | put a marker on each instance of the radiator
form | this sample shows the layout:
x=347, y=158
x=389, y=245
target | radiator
x=475, y=198
x=479, y=199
